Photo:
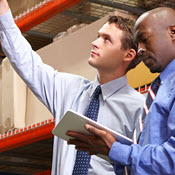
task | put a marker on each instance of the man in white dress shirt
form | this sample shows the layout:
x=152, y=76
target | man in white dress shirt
x=112, y=54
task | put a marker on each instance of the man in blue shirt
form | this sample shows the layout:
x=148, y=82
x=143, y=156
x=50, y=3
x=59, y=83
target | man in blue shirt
x=112, y=54
x=155, y=153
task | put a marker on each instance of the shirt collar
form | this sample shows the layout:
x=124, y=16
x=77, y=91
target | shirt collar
x=169, y=69
x=110, y=87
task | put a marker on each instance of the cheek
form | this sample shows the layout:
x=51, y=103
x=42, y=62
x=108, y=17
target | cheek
x=112, y=52
x=159, y=52
x=115, y=57
x=159, y=47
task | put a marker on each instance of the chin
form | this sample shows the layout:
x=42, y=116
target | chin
x=155, y=70
x=92, y=62
x=93, y=65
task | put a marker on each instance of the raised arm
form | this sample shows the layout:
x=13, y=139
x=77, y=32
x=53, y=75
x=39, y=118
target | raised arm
x=4, y=7
x=49, y=85
x=26, y=62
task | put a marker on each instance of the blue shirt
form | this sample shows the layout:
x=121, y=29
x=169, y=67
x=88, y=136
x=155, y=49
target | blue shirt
x=120, y=105
x=155, y=153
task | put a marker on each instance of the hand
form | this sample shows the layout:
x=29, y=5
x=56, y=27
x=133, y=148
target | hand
x=98, y=143
x=4, y=7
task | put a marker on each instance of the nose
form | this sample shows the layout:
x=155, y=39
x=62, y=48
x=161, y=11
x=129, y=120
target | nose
x=95, y=43
x=141, y=49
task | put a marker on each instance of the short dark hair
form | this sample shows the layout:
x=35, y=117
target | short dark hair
x=127, y=27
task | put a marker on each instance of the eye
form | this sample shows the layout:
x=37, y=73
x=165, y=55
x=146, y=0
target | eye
x=106, y=39
x=145, y=39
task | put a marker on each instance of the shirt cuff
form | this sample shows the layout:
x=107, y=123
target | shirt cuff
x=6, y=20
x=120, y=153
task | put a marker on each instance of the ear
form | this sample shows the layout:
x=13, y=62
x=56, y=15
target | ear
x=130, y=55
x=171, y=30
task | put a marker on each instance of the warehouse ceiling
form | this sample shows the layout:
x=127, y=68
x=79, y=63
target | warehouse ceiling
x=86, y=12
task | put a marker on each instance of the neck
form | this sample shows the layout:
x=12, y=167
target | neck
x=107, y=77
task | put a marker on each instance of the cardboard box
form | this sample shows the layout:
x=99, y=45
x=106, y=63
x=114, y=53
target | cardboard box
x=12, y=98
x=35, y=111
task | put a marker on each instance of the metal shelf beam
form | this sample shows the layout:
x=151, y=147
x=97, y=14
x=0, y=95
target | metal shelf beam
x=41, y=12
x=27, y=135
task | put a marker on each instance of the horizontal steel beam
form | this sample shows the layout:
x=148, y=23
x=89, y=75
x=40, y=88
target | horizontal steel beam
x=80, y=16
x=39, y=34
x=131, y=9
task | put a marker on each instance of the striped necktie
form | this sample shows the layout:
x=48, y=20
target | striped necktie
x=150, y=98
x=82, y=158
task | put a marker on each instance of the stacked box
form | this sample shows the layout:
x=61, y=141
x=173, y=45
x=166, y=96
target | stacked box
x=12, y=98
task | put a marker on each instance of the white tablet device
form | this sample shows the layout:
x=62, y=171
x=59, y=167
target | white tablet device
x=73, y=121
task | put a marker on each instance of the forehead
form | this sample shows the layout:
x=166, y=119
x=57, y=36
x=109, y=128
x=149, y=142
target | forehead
x=110, y=29
x=151, y=22
x=144, y=26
